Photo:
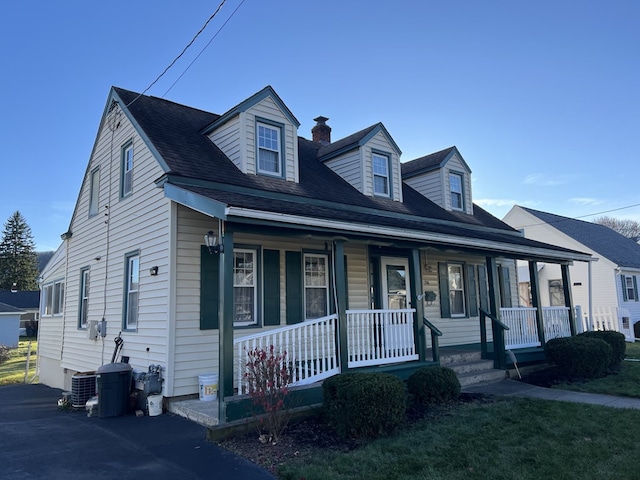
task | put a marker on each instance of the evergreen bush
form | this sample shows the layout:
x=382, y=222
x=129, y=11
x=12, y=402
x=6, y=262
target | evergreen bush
x=617, y=342
x=579, y=357
x=364, y=404
x=430, y=385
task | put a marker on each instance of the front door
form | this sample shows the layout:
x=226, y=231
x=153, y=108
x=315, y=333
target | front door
x=396, y=290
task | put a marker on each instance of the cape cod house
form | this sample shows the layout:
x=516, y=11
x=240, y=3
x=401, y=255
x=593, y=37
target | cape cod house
x=606, y=289
x=200, y=236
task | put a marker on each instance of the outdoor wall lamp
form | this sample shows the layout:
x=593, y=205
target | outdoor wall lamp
x=153, y=271
x=211, y=241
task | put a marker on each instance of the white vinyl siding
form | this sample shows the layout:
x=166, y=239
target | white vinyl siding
x=94, y=198
x=141, y=223
x=429, y=186
x=349, y=167
x=227, y=138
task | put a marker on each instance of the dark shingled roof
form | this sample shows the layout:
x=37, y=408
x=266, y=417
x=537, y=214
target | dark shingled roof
x=621, y=250
x=426, y=163
x=195, y=163
x=27, y=299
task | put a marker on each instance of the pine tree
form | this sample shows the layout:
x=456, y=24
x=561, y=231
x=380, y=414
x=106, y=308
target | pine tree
x=18, y=259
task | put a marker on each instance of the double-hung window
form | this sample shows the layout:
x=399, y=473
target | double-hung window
x=380, y=165
x=132, y=287
x=269, y=154
x=316, y=286
x=556, y=293
x=245, y=291
x=127, y=170
x=630, y=288
x=456, y=190
x=84, y=298
x=53, y=299
x=94, y=192
x=456, y=290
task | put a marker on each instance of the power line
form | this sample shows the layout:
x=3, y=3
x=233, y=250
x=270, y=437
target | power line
x=564, y=219
x=180, y=54
x=202, y=51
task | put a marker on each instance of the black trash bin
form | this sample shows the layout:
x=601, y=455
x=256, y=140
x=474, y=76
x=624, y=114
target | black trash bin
x=114, y=388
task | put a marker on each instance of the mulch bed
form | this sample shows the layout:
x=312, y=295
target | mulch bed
x=302, y=437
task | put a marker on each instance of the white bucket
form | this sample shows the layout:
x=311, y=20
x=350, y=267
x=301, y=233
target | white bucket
x=208, y=383
x=154, y=402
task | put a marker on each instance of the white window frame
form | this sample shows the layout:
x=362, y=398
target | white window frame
x=127, y=170
x=630, y=288
x=454, y=193
x=53, y=299
x=83, y=310
x=262, y=145
x=386, y=175
x=254, y=285
x=454, y=288
x=307, y=286
x=94, y=192
x=132, y=291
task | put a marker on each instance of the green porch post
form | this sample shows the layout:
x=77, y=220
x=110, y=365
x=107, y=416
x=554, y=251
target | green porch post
x=225, y=315
x=535, y=300
x=341, y=300
x=418, y=304
x=568, y=299
x=499, y=360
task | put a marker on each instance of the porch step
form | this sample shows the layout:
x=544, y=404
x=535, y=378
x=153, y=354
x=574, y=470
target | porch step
x=470, y=368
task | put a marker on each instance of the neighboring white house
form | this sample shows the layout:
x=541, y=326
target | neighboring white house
x=9, y=325
x=195, y=235
x=606, y=288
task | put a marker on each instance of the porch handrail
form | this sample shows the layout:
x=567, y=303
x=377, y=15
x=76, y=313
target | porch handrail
x=310, y=346
x=498, y=328
x=435, y=333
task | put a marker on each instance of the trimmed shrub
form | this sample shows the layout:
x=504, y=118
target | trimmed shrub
x=615, y=340
x=430, y=385
x=364, y=404
x=579, y=357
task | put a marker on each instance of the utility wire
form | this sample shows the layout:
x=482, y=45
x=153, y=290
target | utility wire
x=564, y=219
x=180, y=54
x=202, y=51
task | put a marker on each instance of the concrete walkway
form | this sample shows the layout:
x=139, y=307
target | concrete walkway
x=513, y=388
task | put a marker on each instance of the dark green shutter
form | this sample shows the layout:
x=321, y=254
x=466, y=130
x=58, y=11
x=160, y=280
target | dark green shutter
x=293, y=280
x=482, y=288
x=635, y=288
x=443, y=285
x=271, y=281
x=624, y=288
x=506, y=287
x=472, y=290
x=209, y=291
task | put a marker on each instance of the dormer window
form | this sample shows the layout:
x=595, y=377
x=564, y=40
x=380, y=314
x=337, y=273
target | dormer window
x=269, y=151
x=455, y=187
x=380, y=175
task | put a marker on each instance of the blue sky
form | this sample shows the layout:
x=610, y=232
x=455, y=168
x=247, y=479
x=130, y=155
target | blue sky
x=541, y=98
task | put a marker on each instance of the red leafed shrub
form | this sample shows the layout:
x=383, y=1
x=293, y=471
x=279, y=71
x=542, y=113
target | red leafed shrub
x=268, y=378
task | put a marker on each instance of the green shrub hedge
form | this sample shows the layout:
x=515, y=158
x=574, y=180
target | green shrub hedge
x=580, y=356
x=364, y=404
x=615, y=340
x=430, y=385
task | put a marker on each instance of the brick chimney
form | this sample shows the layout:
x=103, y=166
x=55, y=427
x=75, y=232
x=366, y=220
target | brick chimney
x=321, y=133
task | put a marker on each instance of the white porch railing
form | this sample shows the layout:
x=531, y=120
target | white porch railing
x=310, y=346
x=378, y=337
x=523, y=330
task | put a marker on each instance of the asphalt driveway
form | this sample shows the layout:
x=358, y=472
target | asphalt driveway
x=38, y=441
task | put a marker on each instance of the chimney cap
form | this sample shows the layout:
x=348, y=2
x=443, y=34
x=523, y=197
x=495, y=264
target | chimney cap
x=321, y=120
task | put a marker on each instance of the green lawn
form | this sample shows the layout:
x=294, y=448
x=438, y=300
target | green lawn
x=507, y=439
x=12, y=371
x=625, y=383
